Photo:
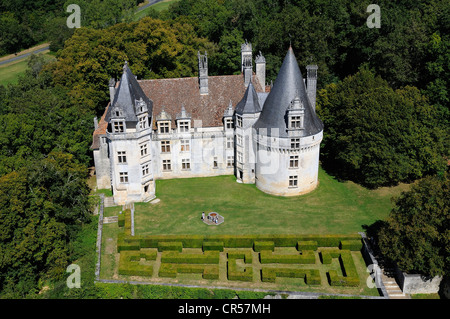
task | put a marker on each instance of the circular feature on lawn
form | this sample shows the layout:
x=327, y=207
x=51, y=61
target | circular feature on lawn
x=213, y=218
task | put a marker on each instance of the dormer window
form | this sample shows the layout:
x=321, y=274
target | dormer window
x=296, y=122
x=184, y=126
x=239, y=121
x=119, y=126
x=117, y=112
x=164, y=127
x=296, y=114
x=143, y=122
x=141, y=106
x=228, y=123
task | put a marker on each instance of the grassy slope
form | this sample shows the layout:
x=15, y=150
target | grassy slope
x=9, y=74
x=333, y=208
x=158, y=7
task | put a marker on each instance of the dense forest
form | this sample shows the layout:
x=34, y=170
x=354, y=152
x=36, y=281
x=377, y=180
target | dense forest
x=383, y=97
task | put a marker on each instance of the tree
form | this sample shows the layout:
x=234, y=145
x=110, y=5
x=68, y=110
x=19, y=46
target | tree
x=153, y=49
x=42, y=205
x=417, y=233
x=11, y=33
x=376, y=136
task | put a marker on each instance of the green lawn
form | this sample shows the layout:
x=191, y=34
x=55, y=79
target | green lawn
x=11, y=72
x=163, y=5
x=333, y=208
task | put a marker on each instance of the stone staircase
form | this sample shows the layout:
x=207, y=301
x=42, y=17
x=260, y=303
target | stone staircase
x=388, y=278
x=392, y=288
x=109, y=202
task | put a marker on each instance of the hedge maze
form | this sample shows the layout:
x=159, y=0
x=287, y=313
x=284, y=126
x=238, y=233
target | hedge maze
x=245, y=258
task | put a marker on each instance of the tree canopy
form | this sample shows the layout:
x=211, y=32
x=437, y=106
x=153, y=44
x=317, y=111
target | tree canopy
x=153, y=49
x=417, y=233
x=41, y=206
x=378, y=136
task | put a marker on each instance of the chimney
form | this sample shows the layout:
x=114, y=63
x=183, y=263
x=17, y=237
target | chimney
x=95, y=123
x=311, y=86
x=112, y=89
x=246, y=62
x=261, y=70
x=203, y=72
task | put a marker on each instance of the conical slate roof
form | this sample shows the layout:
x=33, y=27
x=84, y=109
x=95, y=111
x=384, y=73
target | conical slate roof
x=128, y=92
x=249, y=103
x=287, y=86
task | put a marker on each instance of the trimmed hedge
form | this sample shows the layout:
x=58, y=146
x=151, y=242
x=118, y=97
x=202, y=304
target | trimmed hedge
x=129, y=263
x=263, y=245
x=353, y=245
x=241, y=241
x=349, y=277
x=328, y=255
x=208, y=257
x=127, y=222
x=236, y=254
x=310, y=276
x=234, y=274
x=125, y=243
x=268, y=257
x=165, y=246
x=171, y=270
x=213, y=245
x=121, y=220
x=307, y=245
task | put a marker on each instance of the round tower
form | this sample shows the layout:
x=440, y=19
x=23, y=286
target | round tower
x=288, y=136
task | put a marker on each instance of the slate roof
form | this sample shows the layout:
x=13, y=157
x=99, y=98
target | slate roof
x=127, y=93
x=172, y=94
x=249, y=103
x=288, y=84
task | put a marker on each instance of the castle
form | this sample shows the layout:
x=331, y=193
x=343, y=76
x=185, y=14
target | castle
x=208, y=126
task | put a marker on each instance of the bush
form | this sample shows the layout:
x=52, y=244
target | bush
x=263, y=245
x=349, y=276
x=354, y=245
x=123, y=245
x=208, y=257
x=129, y=263
x=310, y=276
x=214, y=245
x=268, y=257
x=121, y=221
x=242, y=241
x=127, y=222
x=171, y=270
x=236, y=254
x=234, y=274
x=165, y=246
x=328, y=255
x=307, y=245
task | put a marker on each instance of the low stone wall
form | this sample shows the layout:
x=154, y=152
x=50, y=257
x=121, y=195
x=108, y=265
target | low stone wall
x=418, y=284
